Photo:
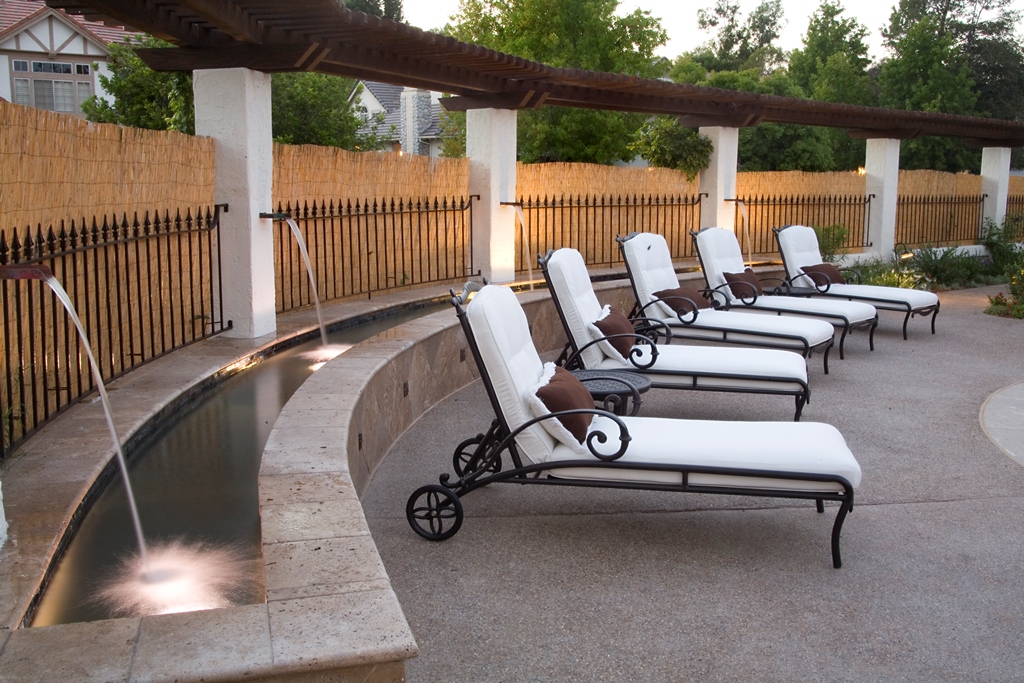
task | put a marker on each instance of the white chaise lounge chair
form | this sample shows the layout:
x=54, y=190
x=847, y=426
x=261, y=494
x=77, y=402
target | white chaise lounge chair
x=778, y=459
x=798, y=245
x=649, y=265
x=722, y=261
x=700, y=368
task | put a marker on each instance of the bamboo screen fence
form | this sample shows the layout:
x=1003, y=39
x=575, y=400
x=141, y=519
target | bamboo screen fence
x=55, y=168
x=307, y=173
x=584, y=206
x=373, y=220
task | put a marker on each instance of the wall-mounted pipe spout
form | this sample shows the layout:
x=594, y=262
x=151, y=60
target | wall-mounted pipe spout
x=24, y=271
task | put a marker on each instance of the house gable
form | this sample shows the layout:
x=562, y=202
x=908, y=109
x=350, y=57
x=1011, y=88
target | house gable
x=49, y=32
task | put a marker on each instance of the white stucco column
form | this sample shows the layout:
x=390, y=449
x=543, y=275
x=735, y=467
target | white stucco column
x=882, y=169
x=719, y=179
x=233, y=107
x=995, y=182
x=3, y=521
x=491, y=148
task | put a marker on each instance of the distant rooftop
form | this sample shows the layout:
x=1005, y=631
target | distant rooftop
x=13, y=12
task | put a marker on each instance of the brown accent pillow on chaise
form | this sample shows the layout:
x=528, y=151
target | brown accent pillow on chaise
x=565, y=392
x=741, y=281
x=616, y=323
x=673, y=299
x=824, y=274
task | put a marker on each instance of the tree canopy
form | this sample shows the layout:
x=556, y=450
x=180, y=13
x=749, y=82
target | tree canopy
x=738, y=44
x=142, y=98
x=582, y=34
x=929, y=73
x=388, y=9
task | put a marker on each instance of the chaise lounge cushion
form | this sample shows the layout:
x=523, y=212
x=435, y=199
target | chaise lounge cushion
x=679, y=299
x=506, y=349
x=824, y=274
x=744, y=285
x=613, y=322
x=798, y=447
x=558, y=390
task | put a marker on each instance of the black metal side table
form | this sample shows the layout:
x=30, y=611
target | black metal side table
x=618, y=391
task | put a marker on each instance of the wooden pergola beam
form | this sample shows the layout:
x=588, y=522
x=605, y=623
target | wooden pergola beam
x=357, y=45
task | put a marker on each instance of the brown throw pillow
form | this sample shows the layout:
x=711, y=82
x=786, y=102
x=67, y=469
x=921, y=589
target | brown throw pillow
x=743, y=291
x=616, y=323
x=673, y=298
x=565, y=392
x=824, y=274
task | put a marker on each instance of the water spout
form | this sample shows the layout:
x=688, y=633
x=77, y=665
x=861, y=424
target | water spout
x=746, y=229
x=177, y=576
x=522, y=231
x=327, y=351
x=39, y=272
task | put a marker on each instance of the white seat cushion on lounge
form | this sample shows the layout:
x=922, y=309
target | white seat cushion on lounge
x=507, y=351
x=749, y=368
x=814, y=331
x=799, y=447
x=571, y=283
x=799, y=247
x=879, y=296
x=853, y=311
x=650, y=265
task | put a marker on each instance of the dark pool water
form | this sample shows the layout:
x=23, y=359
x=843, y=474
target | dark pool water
x=194, y=480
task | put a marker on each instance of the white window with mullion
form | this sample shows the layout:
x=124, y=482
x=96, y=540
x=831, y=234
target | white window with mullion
x=84, y=91
x=22, y=92
x=43, y=91
x=64, y=96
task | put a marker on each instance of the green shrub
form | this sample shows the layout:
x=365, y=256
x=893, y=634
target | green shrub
x=948, y=268
x=888, y=273
x=1003, y=243
x=831, y=241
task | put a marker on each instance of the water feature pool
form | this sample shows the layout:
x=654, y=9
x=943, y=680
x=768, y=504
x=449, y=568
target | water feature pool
x=195, y=480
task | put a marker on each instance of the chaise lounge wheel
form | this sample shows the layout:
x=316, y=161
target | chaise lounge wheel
x=434, y=512
x=464, y=461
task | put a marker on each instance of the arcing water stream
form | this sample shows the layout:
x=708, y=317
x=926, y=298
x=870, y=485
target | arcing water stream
x=195, y=482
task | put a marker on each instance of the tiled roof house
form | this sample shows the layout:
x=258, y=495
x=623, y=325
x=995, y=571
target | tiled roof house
x=47, y=57
x=406, y=117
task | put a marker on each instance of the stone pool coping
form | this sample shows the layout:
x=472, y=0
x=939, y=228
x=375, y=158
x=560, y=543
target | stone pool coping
x=330, y=606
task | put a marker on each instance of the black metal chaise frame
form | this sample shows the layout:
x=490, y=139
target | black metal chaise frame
x=435, y=511
x=880, y=303
x=653, y=329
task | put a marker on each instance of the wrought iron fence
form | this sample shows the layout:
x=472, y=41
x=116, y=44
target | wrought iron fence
x=1015, y=205
x=754, y=230
x=366, y=247
x=939, y=221
x=143, y=287
x=590, y=224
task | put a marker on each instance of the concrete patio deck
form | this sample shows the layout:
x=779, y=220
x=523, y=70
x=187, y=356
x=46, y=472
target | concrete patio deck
x=571, y=585
x=598, y=585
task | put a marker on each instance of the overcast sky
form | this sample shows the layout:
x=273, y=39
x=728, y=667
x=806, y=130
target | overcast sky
x=679, y=19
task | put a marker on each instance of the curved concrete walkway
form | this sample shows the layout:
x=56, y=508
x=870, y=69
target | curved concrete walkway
x=1002, y=417
x=567, y=584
